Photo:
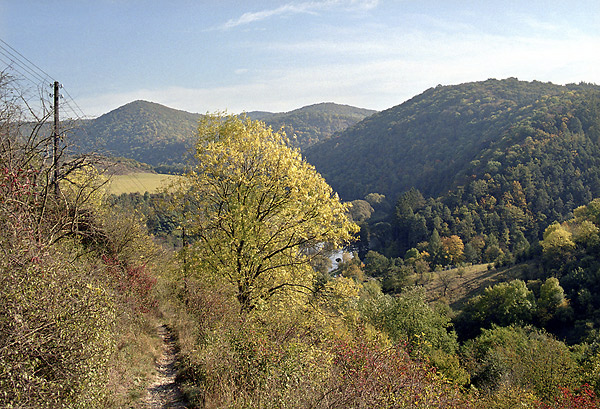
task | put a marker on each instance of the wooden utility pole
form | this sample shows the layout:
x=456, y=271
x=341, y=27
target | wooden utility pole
x=56, y=138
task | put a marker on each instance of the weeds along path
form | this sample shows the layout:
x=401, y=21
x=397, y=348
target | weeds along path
x=164, y=392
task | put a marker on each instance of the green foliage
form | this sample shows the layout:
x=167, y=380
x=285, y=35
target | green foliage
x=515, y=357
x=161, y=136
x=392, y=273
x=301, y=357
x=443, y=137
x=360, y=210
x=57, y=338
x=141, y=130
x=502, y=304
x=501, y=160
x=425, y=329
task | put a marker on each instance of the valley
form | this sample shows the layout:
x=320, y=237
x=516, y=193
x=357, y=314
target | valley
x=471, y=213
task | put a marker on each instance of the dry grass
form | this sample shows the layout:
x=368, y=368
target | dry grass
x=456, y=286
x=134, y=364
x=139, y=182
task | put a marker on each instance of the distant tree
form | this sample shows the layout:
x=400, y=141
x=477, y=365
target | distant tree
x=453, y=249
x=552, y=295
x=558, y=241
x=376, y=264
x=375, y=199
x=434, y=248
x=471, y=254
x=502, y=304
x=360, y=210
x=447, y=278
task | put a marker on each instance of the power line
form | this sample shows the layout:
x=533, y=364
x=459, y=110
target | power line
x=21, y=64
x=34, y=74
x=83, y=115
x=11, y=66
x=47, y=76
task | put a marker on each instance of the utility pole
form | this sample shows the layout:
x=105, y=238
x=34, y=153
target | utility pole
x=185, y=270
x=56, y=137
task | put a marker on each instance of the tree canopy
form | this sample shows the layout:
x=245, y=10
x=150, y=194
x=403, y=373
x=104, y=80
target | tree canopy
x=259, y=211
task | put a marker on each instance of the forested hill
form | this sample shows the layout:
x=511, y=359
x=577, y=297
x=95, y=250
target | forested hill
x=448, y=136
x=314, y=123
x=141, y=130
x=158, y=135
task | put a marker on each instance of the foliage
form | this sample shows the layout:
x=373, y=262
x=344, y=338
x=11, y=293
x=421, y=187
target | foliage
x=317, y=357
x=584, y=398
x=61, y=316
x=425, y=329
x=314, y=123
x=515, y=357
x=141, y=130
x=260, y=213
x=57, y=339
x=439, y=139
x=499, y=160
x=502, y=304
x=392, y=273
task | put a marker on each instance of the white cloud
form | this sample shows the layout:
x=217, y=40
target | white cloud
x=296, y=8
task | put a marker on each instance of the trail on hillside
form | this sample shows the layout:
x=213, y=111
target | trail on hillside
x=164, y=392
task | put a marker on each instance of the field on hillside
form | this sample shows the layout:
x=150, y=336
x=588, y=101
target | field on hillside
x=458, y=285
x=139, y=182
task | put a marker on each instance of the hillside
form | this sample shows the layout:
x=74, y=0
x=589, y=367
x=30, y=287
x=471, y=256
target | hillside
x=449, y=135
x=158, y=135
x=314, y=123
x=141, y=130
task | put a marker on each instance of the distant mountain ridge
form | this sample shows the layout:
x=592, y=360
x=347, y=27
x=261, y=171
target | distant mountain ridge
x=314, y=123
x=158, y=135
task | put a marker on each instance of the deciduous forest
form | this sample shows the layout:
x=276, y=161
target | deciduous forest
x=439, y=254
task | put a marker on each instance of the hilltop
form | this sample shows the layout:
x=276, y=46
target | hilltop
x=449, y=135
x=140, y=130
x=158, y=135
x=314, y=123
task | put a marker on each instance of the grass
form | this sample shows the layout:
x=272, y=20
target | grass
x=457, y=286
x=139, y=182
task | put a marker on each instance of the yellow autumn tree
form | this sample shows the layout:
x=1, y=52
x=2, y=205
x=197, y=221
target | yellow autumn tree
x=453, y=249
x=558, y=240
x=259, y=212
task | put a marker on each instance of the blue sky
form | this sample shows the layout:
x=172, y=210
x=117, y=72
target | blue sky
x=204, y=56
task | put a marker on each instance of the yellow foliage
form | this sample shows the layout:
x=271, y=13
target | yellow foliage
x=557, y=238
x=259, y=210
x=84, y=186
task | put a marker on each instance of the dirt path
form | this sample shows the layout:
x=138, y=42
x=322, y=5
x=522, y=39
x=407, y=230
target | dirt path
x=164, y=392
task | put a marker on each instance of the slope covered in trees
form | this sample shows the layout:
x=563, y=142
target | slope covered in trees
x=450, y=136
x=311, y=124
x=158, y=135
x=141, y=130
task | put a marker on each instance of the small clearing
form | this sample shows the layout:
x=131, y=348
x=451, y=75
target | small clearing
x=164, y=392
x=457, y=286
x=139, y=182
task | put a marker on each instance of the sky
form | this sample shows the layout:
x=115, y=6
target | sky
x=262, y=55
